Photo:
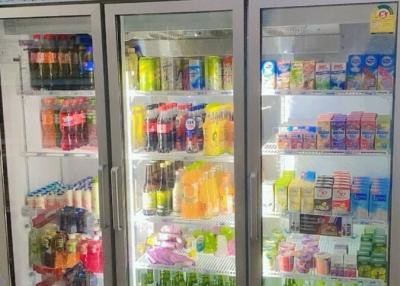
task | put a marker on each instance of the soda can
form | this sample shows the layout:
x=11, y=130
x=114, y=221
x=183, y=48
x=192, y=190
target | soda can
x=213, y=72
x=196, y=77
x=178, y=73
x=167, y=73
x=227, y=75
x=185, y=74
x=147, y=74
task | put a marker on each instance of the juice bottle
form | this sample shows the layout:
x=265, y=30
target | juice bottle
x=66, y=124
x=213, y=191
x=47, y=122
x=59, y=244
x=211, y=132
x=229, y=130
x=204, y=198
x=163, y=193
x=132, y=69
x=221, y=123
x=227, y=194
x=177, y=193
x=137, y=126
x=95, y=197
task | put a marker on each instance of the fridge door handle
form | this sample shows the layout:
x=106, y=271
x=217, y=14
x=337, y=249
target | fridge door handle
x=254, y=211
x=104, y=221
x=115, y=198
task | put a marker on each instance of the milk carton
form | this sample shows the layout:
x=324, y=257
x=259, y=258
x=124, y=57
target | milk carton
x=268, y=76
x=353, y=131
x=386, y=69
x=382, y=136
x=360, y=200
x=355, y=66
x=338, y=132
x=368, y=130
x=370, y=72
x=308, y=74
x=283, y=74
x=338, y=75
x=296, y=75
x=310, y=138
x=379, y=198
x=322, y=76
x=324, y=131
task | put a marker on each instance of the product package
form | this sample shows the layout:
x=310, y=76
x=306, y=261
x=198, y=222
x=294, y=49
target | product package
x=370, y=72
x=322, y=76
x=283, y=74
x=338, y=75
x=296, y=75
x=355, y=66
x=308, y=74
x=386, y=70
x=382, y=136
x=268, y=75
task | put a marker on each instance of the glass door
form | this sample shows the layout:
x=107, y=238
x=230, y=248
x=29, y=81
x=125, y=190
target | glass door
x=53, y=110
x=174, y=186
x=325, y=95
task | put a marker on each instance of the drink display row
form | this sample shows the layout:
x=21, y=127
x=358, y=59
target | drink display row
x=61, y=62
x=179, y=278
x=362, y=196
x=361, y=72
x=166, y=127
x=303, y=254
x=175, y=245
x=178, y=73
x=196, y=191
x=334, y=131
x=68, y=123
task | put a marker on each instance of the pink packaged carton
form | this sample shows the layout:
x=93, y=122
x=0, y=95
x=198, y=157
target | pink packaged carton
x=386, y=70
x=310, y=138
x=341, y=199
x=283, y=141
x=296, y=139
x=368, y=129
x=324, y=131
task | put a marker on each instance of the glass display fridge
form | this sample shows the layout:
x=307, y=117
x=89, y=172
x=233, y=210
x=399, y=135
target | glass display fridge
x=55, y=151
x=176, y=81
x=322, y=114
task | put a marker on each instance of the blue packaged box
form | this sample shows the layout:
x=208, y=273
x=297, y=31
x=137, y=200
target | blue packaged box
x=386, y=72
x=370, y=72
x=360, y=201
x=355, y=66
x=268, y=76
x=379, y=203
x=338, y=76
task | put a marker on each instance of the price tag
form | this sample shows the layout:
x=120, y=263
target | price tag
x=382, y=20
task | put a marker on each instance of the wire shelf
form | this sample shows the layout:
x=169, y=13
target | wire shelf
x=181, y=156
x=290, y=92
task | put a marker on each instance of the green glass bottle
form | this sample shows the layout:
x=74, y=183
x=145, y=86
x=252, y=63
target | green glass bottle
x=191, y=279
x=204, y=280
x=179, y=280
x=165, y=279
x=147, y=278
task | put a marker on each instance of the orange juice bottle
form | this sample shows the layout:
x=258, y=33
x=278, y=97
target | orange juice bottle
x=213, y=191
x=227, y=194
x=221, y=129
x=229, y=130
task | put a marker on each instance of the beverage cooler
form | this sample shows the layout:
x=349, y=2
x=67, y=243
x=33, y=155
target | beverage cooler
x=54, y=144
x=176, y=80
x=323, y=183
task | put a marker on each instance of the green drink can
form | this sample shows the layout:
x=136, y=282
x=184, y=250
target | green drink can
x=148, y=68
x=213, y=72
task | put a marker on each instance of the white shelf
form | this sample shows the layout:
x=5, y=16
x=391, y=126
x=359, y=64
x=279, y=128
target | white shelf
x=61, y=93
x=272, y=149
x=79, y=153
x=366, y=93
x=214, y=94
x=228, y=220
x=180, y=156
x=204, y=263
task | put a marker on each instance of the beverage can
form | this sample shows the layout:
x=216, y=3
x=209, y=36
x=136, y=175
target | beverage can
x=213, y=72
x=177, y=66
x=227, y=72
x=196, y=77
x=167, y=73
x=147, y=73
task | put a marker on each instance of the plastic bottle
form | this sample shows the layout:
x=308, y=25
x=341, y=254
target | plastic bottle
x=192, y=145
x=177, y=193
x=91, y=123
x=163, y=193
x=180, y=134
x=133, y=63
x=36, y=62
x=83, y=138
x=213, y=191
x=66, y=124
x=137, y=127
x=227, y=195
x=199, y=122
x=229, y=130
x=150, y=128
x=77, y=125
x=164, y=130
x=50, y=63
x=47, y=123
x=149, y=196
x=221, y=123
x=211, y=134
x=58, y=102
x=34, y=246
x=64, y=62
x=94, y=255
x=95, y=198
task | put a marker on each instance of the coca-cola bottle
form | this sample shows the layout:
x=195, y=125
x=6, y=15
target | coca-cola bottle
x=36, y=62
x=50, y=63
x=150, y=127
x=180, y=134
x=77, y=123
x=67, y=126
x=64, y=62
x=164, y=130
x=73, y=47
x=83, y=104
x=91, y=122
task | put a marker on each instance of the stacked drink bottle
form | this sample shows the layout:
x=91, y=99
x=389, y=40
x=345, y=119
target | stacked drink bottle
x=168, y=127
x=68, y=123
x=63, y=62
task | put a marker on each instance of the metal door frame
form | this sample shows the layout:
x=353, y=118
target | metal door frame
x=94, y=12
x=113, y=11
x=254, y=125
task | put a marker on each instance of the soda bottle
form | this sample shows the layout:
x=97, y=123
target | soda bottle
x=163, y=193
x=164, y=125
x=36, y=62
x=73, y=47
x=174, y=114
x=50, y=63
x=149, y=193
x=191, y=279
x=77, y=125
x=58, y=102
x=47, y=123
x=64, y=58
x=91, y=122
x=180, y=134
x=137, y=126
x=67, y=126
x=150, y=128
x=71, y=251
x=199, y=122
x=192, y=145
x=165, y=278
x=84, y=138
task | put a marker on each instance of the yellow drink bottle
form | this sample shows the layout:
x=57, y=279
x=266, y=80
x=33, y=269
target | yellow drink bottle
x=137, y=127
